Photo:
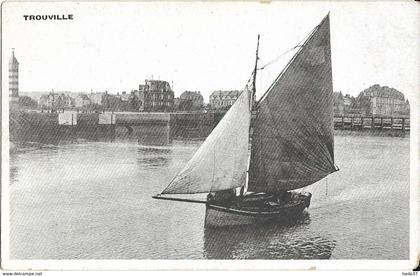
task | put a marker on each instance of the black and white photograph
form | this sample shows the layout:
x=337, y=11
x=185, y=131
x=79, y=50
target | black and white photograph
x=210, y=135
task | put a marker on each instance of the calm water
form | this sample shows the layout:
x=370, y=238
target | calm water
x=93, y=201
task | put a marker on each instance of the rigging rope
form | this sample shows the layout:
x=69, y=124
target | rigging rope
x=278, y=57
x=300, y=44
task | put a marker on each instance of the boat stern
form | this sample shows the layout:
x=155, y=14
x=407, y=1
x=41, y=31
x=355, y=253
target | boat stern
x=220, y=217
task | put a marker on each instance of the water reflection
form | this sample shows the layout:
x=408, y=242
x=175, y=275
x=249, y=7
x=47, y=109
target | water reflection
x=267, y=241
x=93, y=201
x=153, y=156
x=153, y=135
x=26, y=147
x=14, y=170
x=147, y=135
x=57, y=139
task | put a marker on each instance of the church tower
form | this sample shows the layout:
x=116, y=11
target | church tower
x=13, y=77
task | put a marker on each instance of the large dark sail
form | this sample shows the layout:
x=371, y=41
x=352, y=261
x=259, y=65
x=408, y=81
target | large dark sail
x=293, y=142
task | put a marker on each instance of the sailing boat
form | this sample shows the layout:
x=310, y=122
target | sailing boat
x=291, y=140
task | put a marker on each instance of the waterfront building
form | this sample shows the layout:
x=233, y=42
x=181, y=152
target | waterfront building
x=13, y=78
x=55, y=101
x=347, y=101
x=385, y=101
x=190, y=100
x=96, y=98
x=124, y=96
x=66, y=100
x=157, y=95
x=81, y=101
x=223, y=99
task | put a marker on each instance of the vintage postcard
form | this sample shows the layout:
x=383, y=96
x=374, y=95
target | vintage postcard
x=210, y=135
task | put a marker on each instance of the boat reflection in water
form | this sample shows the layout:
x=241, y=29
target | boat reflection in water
x=267, y=241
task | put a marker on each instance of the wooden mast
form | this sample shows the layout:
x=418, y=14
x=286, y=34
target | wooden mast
x=244, y=188
x=254, y=90
x=160, y=196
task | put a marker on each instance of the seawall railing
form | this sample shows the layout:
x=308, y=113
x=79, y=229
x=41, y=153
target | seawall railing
x=372, y=122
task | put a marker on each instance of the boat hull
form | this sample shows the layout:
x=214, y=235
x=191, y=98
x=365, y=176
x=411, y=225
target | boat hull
x=220, y=216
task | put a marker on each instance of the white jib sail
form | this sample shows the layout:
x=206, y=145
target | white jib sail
x=221, y=161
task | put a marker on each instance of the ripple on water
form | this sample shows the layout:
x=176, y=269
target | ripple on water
x=93, y=201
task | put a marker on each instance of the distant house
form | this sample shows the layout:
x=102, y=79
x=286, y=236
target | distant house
x=56, y=101
x=223, y=99
x=347, y=100
x=125, y=96
x=157, y=95
x=96, y=98
x=385, y=101
x=68, y=101
x=81, y=101
x=190, y=100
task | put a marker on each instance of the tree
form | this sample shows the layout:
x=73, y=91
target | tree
x=363, y=103
x=134, y=103
x=26, y=101
x=59, y=102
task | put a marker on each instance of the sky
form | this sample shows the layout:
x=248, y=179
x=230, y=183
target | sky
x=206, y=46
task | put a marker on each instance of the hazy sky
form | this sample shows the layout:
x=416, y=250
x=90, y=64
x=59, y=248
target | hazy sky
x=206, y=46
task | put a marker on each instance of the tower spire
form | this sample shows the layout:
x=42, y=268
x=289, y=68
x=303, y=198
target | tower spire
x=13, y=77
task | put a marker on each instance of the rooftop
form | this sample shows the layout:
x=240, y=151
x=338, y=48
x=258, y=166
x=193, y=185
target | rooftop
x=13, y=60
x=219, y=93
x=191, y=94
x=383, y=92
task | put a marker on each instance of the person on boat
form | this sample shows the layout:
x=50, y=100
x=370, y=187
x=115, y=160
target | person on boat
x=222, y=196
x=283, y=197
